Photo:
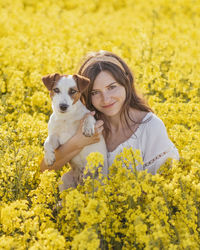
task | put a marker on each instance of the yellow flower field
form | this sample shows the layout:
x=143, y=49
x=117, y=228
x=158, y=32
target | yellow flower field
x=159, y=39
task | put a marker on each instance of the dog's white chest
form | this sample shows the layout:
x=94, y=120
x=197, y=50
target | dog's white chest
x=63, y=129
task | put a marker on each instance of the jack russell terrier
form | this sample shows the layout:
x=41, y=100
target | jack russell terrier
x=68, y=110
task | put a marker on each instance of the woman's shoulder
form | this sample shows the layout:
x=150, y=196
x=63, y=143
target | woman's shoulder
x=152, y=127
x=153, y=131
x=153, y=122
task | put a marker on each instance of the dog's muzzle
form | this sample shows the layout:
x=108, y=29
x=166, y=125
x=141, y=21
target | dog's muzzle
x=63, y=107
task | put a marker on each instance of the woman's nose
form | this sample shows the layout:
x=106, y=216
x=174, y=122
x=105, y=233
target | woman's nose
x=105, y=97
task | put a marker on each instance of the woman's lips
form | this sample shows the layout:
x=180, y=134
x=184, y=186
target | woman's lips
x=108, y=106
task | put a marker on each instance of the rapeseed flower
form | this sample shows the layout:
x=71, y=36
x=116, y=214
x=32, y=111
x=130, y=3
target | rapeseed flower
x=129, y=209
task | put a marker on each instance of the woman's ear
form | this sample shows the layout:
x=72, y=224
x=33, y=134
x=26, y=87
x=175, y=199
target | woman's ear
x=50, y=80
x=82, y=82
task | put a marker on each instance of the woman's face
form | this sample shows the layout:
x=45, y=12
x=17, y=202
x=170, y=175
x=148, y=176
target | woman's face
x=107, y=95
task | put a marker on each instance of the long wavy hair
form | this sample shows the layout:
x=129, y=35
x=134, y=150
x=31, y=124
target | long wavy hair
x=91, y=67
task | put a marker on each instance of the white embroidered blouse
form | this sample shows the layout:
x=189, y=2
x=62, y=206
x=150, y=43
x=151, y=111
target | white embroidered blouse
x=152, y=139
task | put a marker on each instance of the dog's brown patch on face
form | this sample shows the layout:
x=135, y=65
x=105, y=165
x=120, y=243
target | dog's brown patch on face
x=76, y=97
x=52, y=93
x=74, y=94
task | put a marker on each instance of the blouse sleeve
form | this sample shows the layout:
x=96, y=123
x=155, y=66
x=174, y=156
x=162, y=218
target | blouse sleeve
x=156, y=146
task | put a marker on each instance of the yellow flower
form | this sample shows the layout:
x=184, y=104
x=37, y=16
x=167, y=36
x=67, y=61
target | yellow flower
x=131, y=210
x=86, y=240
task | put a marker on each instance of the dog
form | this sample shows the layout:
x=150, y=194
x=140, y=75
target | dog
x=68, y=110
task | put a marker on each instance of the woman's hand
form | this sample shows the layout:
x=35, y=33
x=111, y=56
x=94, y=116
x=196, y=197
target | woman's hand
x=83, y=140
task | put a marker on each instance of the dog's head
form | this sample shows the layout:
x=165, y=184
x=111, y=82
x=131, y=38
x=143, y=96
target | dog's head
x=65, y=90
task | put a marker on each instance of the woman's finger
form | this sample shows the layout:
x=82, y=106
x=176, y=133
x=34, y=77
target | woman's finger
x=99, y=123
x=99, y=130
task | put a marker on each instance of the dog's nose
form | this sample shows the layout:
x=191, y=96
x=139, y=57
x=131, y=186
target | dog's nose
x=63, y=106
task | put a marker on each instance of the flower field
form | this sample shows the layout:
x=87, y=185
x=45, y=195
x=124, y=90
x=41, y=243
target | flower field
x=160, y=41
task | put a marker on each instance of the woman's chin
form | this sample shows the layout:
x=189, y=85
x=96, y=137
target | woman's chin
x=110, y=113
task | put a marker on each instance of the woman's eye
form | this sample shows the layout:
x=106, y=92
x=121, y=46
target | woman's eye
x=94, y=92
x=56, y=90
x=112, y=87
x=72, y=91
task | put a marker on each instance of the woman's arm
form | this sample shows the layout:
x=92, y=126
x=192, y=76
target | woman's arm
x=73, y=146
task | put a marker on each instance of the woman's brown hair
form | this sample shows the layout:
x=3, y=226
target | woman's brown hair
x=97, y=62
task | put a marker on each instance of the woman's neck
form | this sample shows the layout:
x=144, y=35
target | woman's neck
x=117, y=123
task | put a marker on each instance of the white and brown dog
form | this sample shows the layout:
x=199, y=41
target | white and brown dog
x=68, y=110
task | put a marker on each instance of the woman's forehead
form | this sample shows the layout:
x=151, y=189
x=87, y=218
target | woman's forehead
x=103, y=79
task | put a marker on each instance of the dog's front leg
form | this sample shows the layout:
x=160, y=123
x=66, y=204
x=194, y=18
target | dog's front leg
x=88, y=126
x=51, y=143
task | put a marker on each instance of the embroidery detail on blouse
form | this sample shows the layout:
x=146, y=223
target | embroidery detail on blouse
x=154, y=159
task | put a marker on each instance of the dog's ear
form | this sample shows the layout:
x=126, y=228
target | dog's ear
x=50, y=80
x=82, y=82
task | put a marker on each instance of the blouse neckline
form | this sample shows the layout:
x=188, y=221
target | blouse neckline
x=135, y=134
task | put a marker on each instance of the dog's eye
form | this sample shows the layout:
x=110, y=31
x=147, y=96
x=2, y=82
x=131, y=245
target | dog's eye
x=56, y=90
x=72, y=91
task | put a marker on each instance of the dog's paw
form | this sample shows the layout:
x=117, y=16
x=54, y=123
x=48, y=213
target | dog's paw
x=88, y=128
x=49, y=158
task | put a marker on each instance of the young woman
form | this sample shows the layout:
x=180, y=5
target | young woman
x=122, y=116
